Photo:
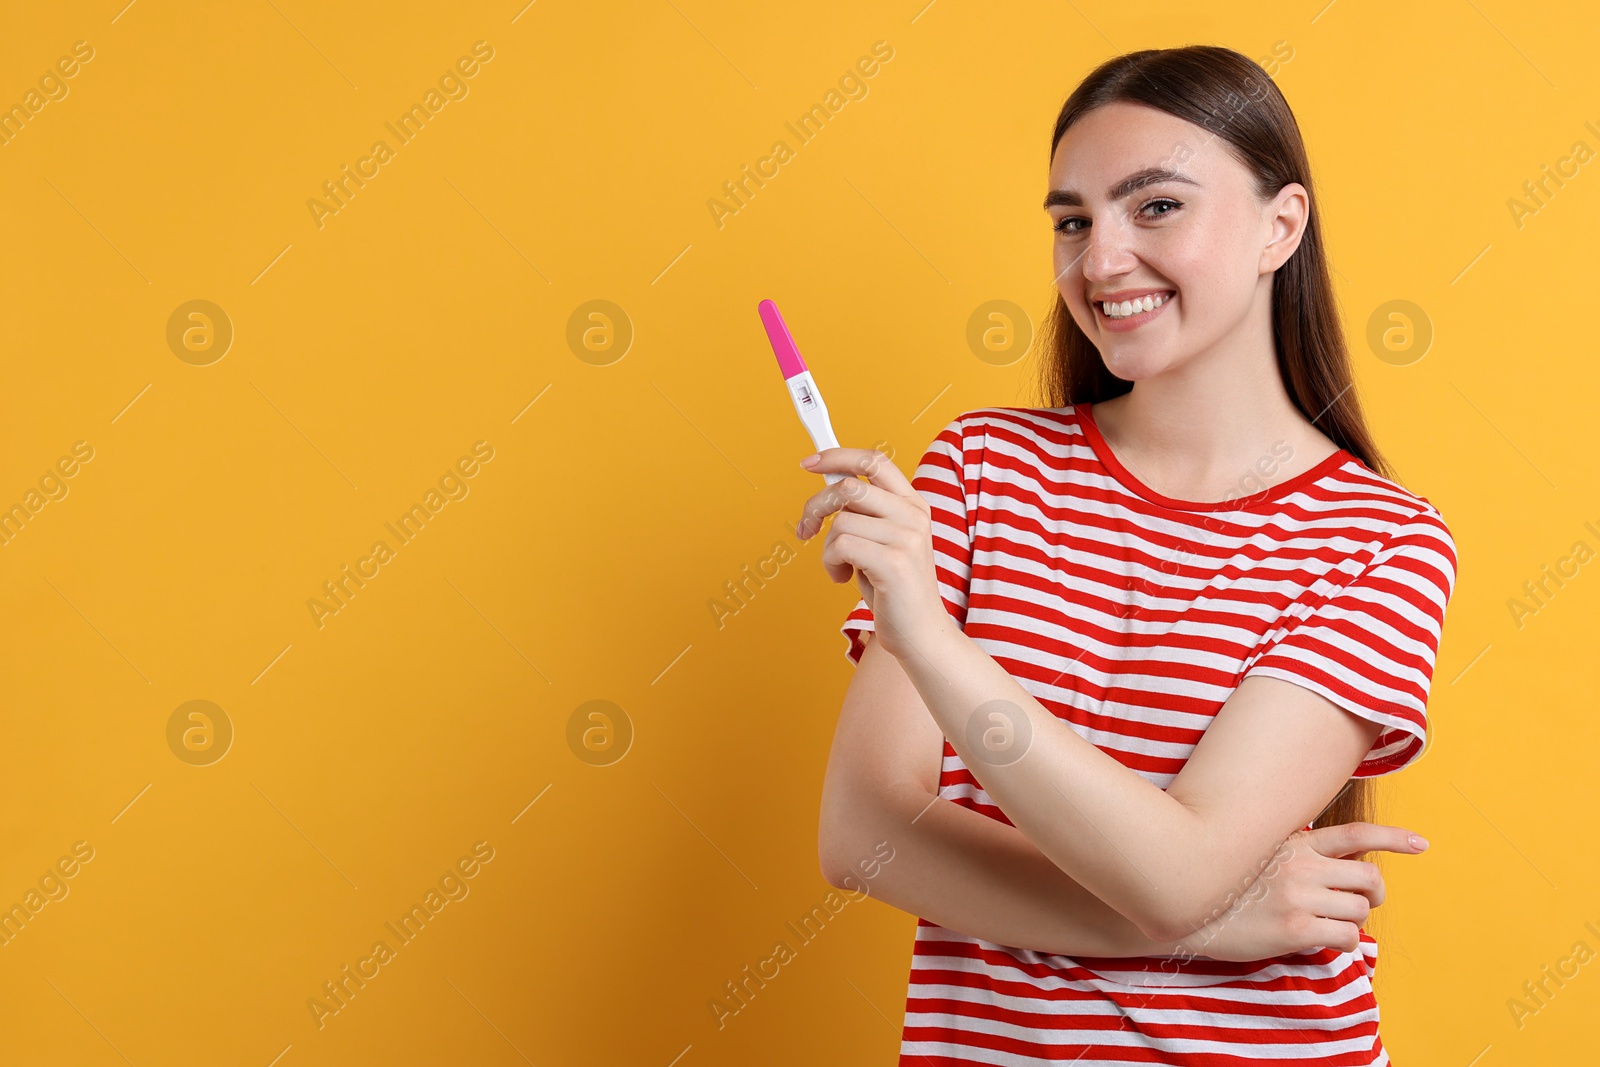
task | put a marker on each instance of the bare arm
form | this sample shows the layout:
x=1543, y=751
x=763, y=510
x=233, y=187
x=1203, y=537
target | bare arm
x=952, y=865
x=1270, y=760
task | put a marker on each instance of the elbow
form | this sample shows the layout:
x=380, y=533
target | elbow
x=1175, y=919
x=826, y=856
x=1162, y=926
x=833, y=875
x=1192, y=882
x=851, y=848
x=851, y=868
x=834, y=859
x=1161, y=918
x=834, y=843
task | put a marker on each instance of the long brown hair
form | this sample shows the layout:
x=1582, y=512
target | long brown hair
x=1228, y=94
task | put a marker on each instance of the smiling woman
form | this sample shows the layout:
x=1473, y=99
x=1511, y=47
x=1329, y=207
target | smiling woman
x=1119, y=721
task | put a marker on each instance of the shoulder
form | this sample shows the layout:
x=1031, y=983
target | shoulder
x=1354, y=483
x=1035, y=429
x=1018, y=440
x=1400, y=522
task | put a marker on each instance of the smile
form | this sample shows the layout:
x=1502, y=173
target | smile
x=1131, y=314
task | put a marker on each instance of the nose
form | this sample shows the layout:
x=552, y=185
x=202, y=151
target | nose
x=1108, y=251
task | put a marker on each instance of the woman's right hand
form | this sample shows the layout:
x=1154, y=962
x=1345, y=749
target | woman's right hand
x=1311, y=894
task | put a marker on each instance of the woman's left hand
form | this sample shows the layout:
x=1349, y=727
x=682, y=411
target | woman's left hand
x=884, y=535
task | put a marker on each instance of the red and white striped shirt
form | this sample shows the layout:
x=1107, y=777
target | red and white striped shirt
x=1133, y=616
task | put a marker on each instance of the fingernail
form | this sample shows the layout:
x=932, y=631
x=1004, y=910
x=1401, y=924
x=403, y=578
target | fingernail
x=811, y=460
x=1418, y=843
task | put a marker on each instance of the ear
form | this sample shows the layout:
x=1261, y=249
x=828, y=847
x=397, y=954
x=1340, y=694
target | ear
x=1285, y=216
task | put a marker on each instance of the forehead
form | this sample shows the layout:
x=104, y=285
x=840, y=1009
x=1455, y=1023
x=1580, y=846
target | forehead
x=1113, y=141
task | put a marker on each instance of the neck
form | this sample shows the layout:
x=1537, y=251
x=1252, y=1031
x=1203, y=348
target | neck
x=1193, y=432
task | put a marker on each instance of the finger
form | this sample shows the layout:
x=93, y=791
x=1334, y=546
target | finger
x=851, y=550
x=1333, y=933
x=846, y=551
x=882, y=535
x=1356, y=876
x=869, y=463
x=1347, y=839
x=852, y=494
x=1346, y=907
x=839, y=570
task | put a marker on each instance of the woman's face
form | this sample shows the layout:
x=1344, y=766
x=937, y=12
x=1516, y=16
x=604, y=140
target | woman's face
x=1202, y=250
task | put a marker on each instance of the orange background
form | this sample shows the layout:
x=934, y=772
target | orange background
x=632, y=478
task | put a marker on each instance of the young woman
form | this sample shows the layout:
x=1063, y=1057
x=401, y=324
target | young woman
x=1129, y=664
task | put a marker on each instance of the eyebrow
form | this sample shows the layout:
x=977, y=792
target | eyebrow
x=1132, y=183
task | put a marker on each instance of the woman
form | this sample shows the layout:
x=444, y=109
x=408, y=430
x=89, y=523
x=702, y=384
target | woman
x=1162, y=634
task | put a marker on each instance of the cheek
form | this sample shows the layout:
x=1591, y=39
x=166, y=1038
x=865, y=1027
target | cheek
x=1069, y=280
x=1209, y=263
x=1062, y=258
x=1077, y=308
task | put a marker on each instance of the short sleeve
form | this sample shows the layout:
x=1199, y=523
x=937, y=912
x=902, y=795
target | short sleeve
x=1370, y=645
x=948, y=483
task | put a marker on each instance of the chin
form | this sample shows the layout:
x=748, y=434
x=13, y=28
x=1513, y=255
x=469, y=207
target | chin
x=1135, y=366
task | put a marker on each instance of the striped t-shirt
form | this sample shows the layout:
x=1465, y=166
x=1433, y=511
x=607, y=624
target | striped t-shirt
x=1133, y=616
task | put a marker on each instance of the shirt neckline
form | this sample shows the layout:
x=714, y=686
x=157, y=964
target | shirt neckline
x=1102, y=450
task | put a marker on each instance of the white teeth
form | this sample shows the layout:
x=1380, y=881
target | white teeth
x=1132, y=307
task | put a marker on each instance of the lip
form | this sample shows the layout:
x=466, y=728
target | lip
x=1132, y=322
x=1126, y=294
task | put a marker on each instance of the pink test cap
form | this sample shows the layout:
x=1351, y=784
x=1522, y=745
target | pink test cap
x=783, y=346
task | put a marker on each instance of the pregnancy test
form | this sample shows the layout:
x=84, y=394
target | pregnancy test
x=802, y=388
